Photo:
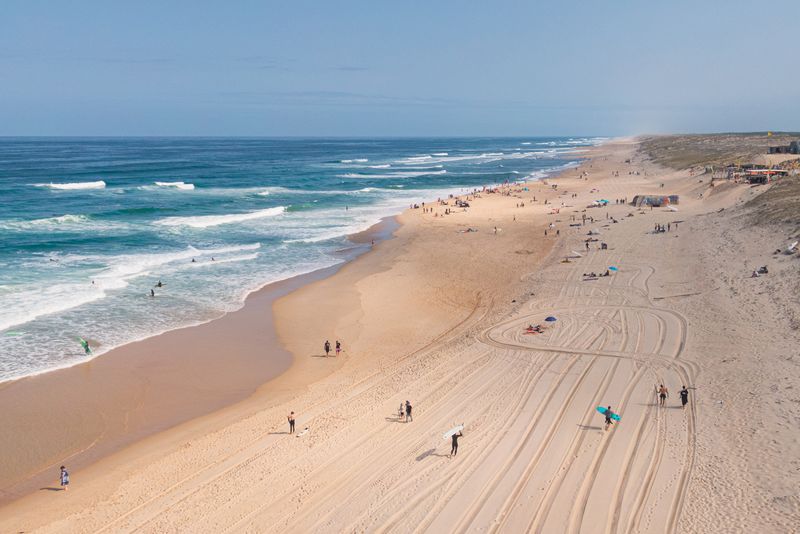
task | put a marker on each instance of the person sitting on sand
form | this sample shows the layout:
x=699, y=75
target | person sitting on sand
x=754, y=275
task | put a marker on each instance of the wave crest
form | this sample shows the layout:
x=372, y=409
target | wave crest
x=99, y=184
x=205, y=221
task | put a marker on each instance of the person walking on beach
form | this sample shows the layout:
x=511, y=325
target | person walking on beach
x=291, y=422
x=609, y=415
x=408, y=412
x=338, y=347
x=327, y=347
x=663, y=393
x=454, y=447
x=684, y=396
x=64, y=478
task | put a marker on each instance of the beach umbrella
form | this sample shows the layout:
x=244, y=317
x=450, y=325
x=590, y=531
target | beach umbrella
x=612, y=268
x=551, y=319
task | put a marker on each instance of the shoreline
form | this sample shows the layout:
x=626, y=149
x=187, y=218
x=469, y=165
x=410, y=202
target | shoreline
x=356, y=238
x=38, y=396
x=44, y=390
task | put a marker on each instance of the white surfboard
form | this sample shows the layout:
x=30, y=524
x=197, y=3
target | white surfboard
x=672, y=208
x=302, y=432
x=454, y=430
x=791, y=248
x=576, y=254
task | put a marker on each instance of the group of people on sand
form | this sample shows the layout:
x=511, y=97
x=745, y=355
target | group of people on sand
x=660, y=228
x=327, y=347
x=595, y=275
x=404, y=412
x=663, y=394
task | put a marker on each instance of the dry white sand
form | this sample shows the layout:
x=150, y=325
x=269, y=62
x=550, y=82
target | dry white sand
x=429, y=317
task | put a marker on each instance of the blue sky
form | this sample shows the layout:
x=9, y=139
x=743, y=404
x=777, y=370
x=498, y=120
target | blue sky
x=379, y=68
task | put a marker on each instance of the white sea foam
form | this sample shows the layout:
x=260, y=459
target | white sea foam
x=358, y=160
x=176, y=185
x=384, y=166
x=99, y=184
x=26, y=303
x=205, y=221
x=233, y=259
x=393, y=174
x=440, y=154
x=62, y=223
x=484, y=157
x=525, y=143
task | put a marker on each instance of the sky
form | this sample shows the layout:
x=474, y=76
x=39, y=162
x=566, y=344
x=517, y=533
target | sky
x=401, y=68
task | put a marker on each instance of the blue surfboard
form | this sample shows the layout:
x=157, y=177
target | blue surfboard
x=603, y=410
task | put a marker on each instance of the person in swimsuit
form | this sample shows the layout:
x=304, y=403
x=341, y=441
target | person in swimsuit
x=663, y=393
x=609, y=415
x=64, y=478
x=291, y=423
x=454, y=448
x=408, y=412
x=327, y=347
x=338, y=347
x=684, y=396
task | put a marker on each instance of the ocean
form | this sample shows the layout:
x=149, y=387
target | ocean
x=88, y=226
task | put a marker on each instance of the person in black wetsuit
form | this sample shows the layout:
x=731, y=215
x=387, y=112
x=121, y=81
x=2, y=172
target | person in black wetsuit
x=609, y=414
x=327, y=347
x=408, y=412
x=454, y=448
x=684, y=396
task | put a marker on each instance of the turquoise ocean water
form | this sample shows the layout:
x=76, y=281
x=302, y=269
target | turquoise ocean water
x=89, y=225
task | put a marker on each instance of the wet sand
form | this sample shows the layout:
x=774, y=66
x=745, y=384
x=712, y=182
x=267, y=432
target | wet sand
x=80, y=414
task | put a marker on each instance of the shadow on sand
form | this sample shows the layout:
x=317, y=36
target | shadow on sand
x=430, y=452
x=395, y=419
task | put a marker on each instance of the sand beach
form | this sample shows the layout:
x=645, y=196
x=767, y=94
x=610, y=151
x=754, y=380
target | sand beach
x=439, y=314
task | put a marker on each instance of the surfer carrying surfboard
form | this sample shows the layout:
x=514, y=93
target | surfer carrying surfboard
x=454, y=447
x=609, y=417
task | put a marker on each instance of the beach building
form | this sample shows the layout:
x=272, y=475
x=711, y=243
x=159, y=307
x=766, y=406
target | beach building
x=791, y=148
x=655, y=200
